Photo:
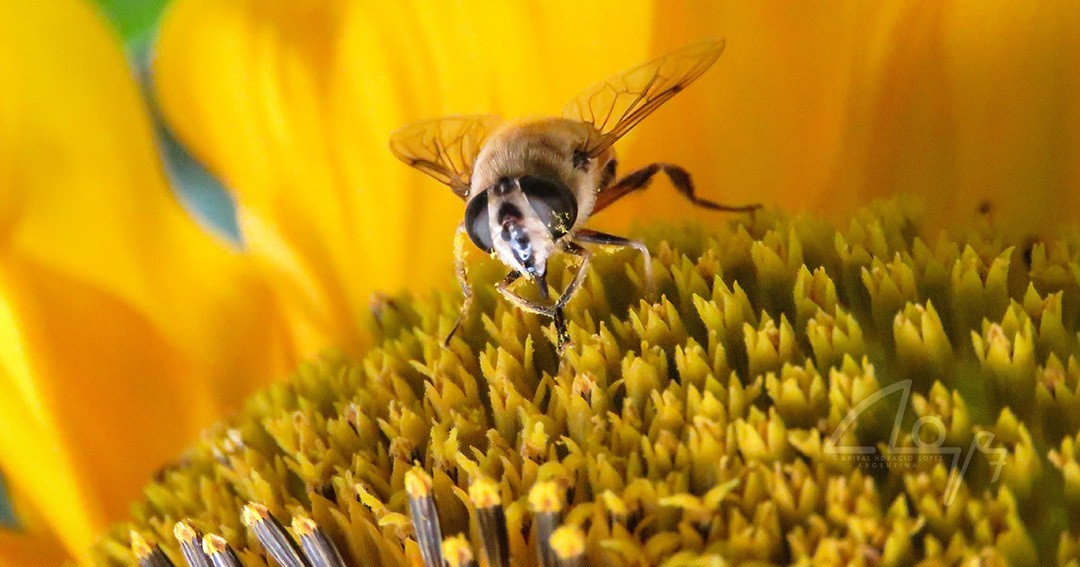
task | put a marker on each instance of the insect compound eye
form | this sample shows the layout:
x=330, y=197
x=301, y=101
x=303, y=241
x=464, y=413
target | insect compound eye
x=552, y=201
x=476, y=222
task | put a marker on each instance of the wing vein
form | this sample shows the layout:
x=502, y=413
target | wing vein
x=444, y=148
x=614, y=106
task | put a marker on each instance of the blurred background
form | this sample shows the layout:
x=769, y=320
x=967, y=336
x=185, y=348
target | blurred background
x=136, y=23
x=268, y=119
x=823, y=105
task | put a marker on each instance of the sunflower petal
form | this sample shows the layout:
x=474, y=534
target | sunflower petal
x=829, y=108
x=808, y=108
x=25, y=550
x=292, y=103
x=125, y=326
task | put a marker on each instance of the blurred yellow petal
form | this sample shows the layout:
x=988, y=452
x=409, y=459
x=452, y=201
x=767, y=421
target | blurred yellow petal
x=830, y=105
x=24, y=550
x=765, y=125
x=292, y=103
x=813, y=105
x=125, y=326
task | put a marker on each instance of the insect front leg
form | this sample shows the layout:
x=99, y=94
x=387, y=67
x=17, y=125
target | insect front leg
x=595, y=237
x=517, y=300
x=555, y=312
x=568, y=293
x=462, y=272
x=558, y=316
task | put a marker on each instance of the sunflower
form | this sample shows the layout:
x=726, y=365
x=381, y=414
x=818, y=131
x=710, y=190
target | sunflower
x=127, y=327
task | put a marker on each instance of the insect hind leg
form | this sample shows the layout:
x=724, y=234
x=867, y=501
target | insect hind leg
x=680, y=178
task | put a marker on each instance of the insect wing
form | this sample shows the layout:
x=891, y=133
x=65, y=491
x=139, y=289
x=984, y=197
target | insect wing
x=444, y=148
x=616, y=105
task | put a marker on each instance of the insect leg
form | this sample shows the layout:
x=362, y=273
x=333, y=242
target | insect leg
x=462, y=273
x=595, y=237
x=555, y=312
x=679, y=177
x=571, y=289
x=558, y=316
x=521, y=302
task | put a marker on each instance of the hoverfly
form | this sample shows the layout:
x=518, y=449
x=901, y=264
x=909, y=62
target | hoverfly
x=530, y=186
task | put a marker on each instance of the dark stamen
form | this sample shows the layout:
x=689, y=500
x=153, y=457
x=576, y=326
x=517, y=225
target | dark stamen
x=272, y=536
x=220, y=553
x=484, y=494
x=149, y=555
x=190, y=545
x=425, y=518
x=317, y=547
x=546, y=501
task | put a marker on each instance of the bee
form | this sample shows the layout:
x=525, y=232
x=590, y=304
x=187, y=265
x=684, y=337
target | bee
x=529, y=186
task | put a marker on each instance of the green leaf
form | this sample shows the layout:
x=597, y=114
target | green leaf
x=136, y=20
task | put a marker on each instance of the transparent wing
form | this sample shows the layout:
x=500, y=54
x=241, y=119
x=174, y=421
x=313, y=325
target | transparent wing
x=444, y=148
x=616, y=105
